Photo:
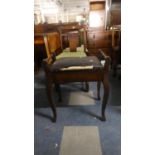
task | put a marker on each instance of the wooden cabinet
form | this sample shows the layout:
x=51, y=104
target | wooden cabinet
x=99, y=39
x=96, y=35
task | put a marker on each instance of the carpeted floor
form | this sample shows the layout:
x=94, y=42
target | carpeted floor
x=77, y=109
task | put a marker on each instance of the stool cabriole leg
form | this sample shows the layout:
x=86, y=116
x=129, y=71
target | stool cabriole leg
x=49, y=95
x=105, y=96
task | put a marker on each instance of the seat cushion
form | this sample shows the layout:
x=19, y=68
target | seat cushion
x=75, y=63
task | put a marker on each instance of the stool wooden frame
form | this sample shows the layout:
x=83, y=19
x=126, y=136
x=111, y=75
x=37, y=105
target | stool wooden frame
x=59, y=77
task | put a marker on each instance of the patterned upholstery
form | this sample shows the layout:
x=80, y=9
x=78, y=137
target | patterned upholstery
x=75, y=63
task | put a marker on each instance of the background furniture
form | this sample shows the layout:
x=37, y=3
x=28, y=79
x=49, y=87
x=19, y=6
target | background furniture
x=73, y=38
x=116, y=54
x=98, y=39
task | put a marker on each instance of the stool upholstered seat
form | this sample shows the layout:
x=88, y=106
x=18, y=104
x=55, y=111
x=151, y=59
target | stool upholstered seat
x=75, y=63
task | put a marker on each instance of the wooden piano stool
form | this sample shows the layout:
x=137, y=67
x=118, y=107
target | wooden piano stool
x=91, y=69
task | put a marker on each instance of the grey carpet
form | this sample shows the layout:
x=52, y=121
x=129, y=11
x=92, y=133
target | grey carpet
x=80, y=140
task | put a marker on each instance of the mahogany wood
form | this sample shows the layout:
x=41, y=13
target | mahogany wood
x=99, y=39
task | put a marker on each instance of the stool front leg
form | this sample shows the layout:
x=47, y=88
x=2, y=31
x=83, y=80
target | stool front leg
x=49, y=95
x=58, y=89
x=105, y=82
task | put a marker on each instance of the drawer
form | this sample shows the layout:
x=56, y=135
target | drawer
x=102, y=43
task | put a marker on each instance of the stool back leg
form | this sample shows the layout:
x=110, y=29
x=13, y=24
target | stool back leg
x=105, y=97
x=98, y=89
